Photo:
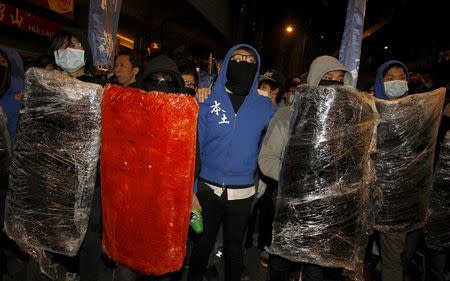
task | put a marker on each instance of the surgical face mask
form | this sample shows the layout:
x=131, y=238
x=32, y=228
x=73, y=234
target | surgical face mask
x=291, y=99
x=395, y=88
x=70, y=59
x=263, y=93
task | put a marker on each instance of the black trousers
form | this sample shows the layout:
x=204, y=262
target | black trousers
x=264, y=211
x=234, y=215
x=280, y=268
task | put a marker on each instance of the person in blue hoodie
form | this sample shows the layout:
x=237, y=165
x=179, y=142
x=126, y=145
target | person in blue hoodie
x=10, y=101
x=392, y=82
x=231, y=123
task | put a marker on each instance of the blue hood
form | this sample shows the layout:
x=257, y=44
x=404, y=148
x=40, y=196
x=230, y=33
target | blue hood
x=9, y=103
x=379, y=83
x=219, y=86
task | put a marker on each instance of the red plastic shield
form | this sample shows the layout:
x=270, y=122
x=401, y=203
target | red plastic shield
x=147, y=176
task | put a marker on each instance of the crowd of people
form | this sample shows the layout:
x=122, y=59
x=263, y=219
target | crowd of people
x=243, y=128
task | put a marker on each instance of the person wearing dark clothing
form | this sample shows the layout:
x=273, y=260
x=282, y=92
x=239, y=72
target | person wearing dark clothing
x=126, y=69
x=72, y=55
x=391, y=82
x=324, y=71
x=160, y=74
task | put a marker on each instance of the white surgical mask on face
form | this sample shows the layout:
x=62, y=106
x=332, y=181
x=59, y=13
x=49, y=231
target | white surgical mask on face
x=69, y=59
x=291, y=99
x=395, y=88
x=263, y=93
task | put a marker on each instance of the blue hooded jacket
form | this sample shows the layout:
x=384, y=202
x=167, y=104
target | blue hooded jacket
x=9, y=103
x=229, y=142
x=379, y=83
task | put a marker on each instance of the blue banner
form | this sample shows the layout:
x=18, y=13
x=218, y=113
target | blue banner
x=350, y=51
x=103, y=22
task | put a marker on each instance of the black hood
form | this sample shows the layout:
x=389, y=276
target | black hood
x=162, y=64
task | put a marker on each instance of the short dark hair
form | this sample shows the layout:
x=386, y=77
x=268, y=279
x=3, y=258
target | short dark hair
x=133, y=57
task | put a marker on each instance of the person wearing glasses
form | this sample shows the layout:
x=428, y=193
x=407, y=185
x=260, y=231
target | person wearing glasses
x=72, y=55
x=190, y=78
x=231, y=123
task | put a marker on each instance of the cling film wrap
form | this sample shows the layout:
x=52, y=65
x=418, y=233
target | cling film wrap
x=437, y=228
x=147, y=173
x=406, y=139
x=53, y=166
x=5, y=151
x=5, y=157
x=323, y=215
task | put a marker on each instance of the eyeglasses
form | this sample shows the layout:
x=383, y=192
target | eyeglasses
x=77, y=45
x=188, y=84
x=247, y=58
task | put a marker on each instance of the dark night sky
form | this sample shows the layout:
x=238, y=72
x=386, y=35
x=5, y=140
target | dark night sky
x=416, y=32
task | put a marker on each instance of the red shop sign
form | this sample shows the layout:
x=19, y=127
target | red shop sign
x=15, y=17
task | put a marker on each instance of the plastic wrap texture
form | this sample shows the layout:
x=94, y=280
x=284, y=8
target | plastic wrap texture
x=5, y=157
x=322, y=215
x=147, y=173
x=437, y=229
x=406, y=139
x=54, y=161
x=5, y=152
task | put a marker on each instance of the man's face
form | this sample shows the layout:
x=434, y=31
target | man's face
x=335, y=75
x=395, y=73
x=124, y=70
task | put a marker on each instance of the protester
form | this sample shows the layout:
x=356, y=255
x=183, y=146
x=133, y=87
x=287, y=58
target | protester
x=272, y=84
x=324, y=71
x=391, y=82
x=231, y=123
x=161, y=74
x=73, y=56
x=12, y=85
x=190, y=78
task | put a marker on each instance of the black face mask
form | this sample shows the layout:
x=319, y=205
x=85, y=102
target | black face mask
x=240, y=77
x=189, y=91
x=5, y=78
x=328, y=83
x=166, y=84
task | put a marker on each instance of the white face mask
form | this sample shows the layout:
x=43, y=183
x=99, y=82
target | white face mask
x=395, y=88
x=291, y=99
x=263, y=93
x=69, y=59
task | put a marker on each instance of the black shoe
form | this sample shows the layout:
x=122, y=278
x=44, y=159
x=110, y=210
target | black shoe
x=212, y=274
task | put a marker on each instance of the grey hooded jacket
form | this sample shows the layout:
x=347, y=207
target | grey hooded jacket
x=276, y=138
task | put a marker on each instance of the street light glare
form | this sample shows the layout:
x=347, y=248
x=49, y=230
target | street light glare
x=289, y=29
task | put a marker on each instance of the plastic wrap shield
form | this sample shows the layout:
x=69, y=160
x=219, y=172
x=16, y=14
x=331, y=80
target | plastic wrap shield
x=147, y=173
x=53, y=167
x=406, y=139
x=322, y=215
x=437, y=229
x=5, y=151
x=5, y=156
